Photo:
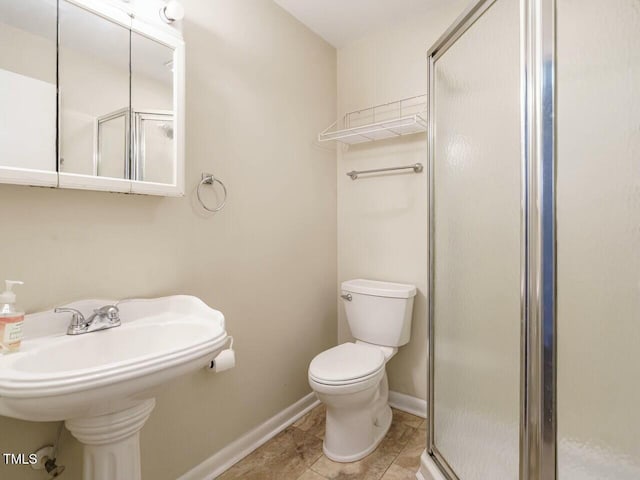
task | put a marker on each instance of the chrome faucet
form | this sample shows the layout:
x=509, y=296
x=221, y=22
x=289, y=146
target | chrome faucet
x=101, y=319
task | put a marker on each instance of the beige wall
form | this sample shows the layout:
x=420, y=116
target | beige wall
x=259, y=88
x=382, y=222
x=28, y=54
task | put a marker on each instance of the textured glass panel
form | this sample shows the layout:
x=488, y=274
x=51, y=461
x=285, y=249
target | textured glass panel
x=112, y=146
x=598, y=209
x=477, y=248
x=155, y=144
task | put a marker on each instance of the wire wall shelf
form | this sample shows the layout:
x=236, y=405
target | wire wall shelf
x=388, y=120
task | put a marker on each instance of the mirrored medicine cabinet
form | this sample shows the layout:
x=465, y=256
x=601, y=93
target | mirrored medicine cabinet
x=91, y=97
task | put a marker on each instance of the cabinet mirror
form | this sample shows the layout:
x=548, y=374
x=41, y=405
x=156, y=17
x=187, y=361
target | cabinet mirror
x=92, y=98
x=117, y=97
x=152, y=69
x=28, y=91
x=94, y=94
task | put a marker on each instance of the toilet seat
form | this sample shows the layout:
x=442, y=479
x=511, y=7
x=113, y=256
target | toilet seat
x=347, y=364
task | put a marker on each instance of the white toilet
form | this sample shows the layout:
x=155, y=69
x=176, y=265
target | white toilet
x=351, y=379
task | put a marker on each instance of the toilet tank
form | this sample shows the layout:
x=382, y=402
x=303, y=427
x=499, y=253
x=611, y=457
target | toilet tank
x=379, y=312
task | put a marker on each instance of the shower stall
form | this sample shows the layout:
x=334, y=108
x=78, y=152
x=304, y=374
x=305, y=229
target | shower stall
x=534, y=296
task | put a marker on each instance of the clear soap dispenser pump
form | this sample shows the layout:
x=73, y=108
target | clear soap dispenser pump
x=11, y=318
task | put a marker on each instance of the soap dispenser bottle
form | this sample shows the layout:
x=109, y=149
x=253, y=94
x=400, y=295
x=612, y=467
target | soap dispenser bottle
x=11, y=318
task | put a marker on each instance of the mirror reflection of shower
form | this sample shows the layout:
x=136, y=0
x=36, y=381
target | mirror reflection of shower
x=153, y=147
x=113, y=93
x=151, y=140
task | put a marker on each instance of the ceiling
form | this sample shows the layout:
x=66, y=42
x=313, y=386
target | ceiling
x=340, y=22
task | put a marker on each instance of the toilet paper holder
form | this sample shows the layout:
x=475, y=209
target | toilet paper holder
x=225, y=360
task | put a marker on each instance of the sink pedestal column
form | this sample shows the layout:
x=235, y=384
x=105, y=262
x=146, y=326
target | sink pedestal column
x=112, y=442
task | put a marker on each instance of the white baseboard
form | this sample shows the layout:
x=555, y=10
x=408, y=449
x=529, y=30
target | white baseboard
x=428, y=469
x=238, y=449
x=409, y=404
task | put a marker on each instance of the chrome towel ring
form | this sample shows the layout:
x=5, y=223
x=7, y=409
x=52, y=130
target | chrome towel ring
x=209, y=179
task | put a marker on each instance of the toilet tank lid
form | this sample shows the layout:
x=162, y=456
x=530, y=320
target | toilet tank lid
x=379, y=289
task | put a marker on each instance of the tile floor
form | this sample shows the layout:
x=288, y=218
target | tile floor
x=296, y=454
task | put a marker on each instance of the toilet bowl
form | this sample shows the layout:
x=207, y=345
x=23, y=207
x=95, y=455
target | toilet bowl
x=350, y=379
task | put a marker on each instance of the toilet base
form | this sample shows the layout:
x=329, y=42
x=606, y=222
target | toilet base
x=380, y=428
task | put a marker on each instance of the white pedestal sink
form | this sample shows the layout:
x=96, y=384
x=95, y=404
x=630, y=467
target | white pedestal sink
x=102, y=383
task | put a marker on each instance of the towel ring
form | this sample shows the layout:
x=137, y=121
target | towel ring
x=209, y=179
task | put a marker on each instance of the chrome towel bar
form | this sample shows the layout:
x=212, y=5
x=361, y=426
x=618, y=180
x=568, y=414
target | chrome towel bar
x=417, y=168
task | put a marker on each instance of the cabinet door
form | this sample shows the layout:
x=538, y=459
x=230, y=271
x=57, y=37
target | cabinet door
x=28, y=92
x=157, y=109
x=94, y=86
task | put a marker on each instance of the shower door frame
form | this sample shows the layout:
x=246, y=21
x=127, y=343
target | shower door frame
x=538, y=430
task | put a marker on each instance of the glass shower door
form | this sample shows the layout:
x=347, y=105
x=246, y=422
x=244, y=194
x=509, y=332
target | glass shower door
x=476, y=248
x=598, y=216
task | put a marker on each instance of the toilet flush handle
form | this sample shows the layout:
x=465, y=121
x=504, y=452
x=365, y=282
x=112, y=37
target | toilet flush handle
x=347, y=297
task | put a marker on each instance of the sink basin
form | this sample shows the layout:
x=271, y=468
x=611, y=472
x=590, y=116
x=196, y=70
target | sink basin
x=111, y=349
x=103, y=382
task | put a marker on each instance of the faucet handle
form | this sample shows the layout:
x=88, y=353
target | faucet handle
x=77, y=318
x=111, y=312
